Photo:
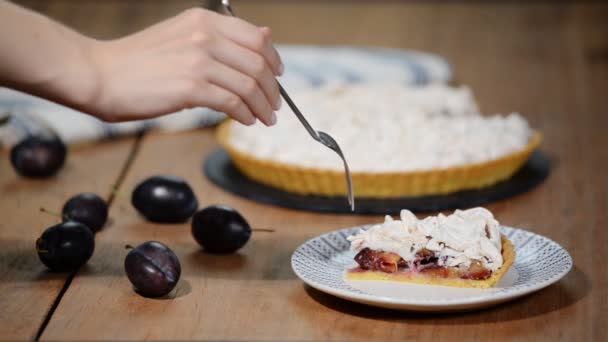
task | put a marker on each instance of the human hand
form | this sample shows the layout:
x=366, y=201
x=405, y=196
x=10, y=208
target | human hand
x=197, y=58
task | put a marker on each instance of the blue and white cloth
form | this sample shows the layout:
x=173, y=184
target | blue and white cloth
x=305, y=67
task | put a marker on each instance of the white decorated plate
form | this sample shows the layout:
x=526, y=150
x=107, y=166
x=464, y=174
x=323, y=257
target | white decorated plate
x=321, y=263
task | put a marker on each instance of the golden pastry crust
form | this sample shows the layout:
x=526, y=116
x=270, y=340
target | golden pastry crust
x=508, y=255
x=315, y=181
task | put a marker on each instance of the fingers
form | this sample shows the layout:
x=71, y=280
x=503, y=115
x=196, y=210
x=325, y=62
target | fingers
x=251, y=64
x=246, y=87
x=253, y=38
x=231, y=62
x=222, y=100
x=271, y=54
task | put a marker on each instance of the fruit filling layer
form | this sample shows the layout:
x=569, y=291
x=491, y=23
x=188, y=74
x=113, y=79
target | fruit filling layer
x=466, y=244
x=425, y=262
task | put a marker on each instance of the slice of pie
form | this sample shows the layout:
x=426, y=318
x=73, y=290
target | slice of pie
x=464, y=249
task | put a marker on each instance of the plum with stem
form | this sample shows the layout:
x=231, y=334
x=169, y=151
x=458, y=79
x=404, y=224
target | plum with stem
x=164, y=199
x=220, y=229
x=38, y=157
x=87, y=208
x=65, y=246
x=152, y=268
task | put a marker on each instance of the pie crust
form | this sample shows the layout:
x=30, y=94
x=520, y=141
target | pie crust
x=323, y=182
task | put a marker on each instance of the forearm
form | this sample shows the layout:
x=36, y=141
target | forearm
x=197, y=58
x=44, y=58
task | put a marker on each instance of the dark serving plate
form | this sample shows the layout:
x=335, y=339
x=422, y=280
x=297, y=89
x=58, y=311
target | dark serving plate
x=220, y=169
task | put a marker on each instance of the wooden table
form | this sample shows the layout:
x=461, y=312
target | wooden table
x=547, y=61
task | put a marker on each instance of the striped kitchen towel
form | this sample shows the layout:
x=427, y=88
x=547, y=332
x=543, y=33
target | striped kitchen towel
x=305, y=67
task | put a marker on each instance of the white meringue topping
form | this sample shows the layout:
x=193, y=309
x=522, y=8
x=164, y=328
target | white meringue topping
x=457, y=239
x=386, y=128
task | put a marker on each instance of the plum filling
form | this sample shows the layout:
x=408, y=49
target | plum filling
x=425, y=261
x=381, y=261
x=476, y=272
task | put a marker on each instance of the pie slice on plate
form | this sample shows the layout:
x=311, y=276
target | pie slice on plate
x=464, y=249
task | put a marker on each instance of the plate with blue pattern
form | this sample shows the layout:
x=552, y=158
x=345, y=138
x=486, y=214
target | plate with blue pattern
x=322, y=262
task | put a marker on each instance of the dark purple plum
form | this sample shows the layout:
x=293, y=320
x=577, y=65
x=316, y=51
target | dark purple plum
x=87, y=208
x=66, y=246
x=38, y=157
x=153, y=269
x=164, y=199
x=220, y=229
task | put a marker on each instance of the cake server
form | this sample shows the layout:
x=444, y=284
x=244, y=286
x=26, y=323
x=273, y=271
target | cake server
x=319, y=136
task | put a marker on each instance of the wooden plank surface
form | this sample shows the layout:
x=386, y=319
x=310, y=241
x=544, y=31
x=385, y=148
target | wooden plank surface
x=547, y=61
x=109, y=19
x=214, y=288
x=27, y=289
x=219, y=296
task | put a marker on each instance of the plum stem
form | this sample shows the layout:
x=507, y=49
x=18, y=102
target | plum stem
x=52, y=213
x=129, y=247
x=263, y=230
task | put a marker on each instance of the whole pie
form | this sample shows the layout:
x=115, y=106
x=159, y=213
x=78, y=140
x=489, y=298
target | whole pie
x=464, y=249
x=398, y=142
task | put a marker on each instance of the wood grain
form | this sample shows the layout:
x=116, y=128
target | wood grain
x=219, y=296
x=27, y=289
x=547, y=61
x=110, y=19
x=258, y=270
